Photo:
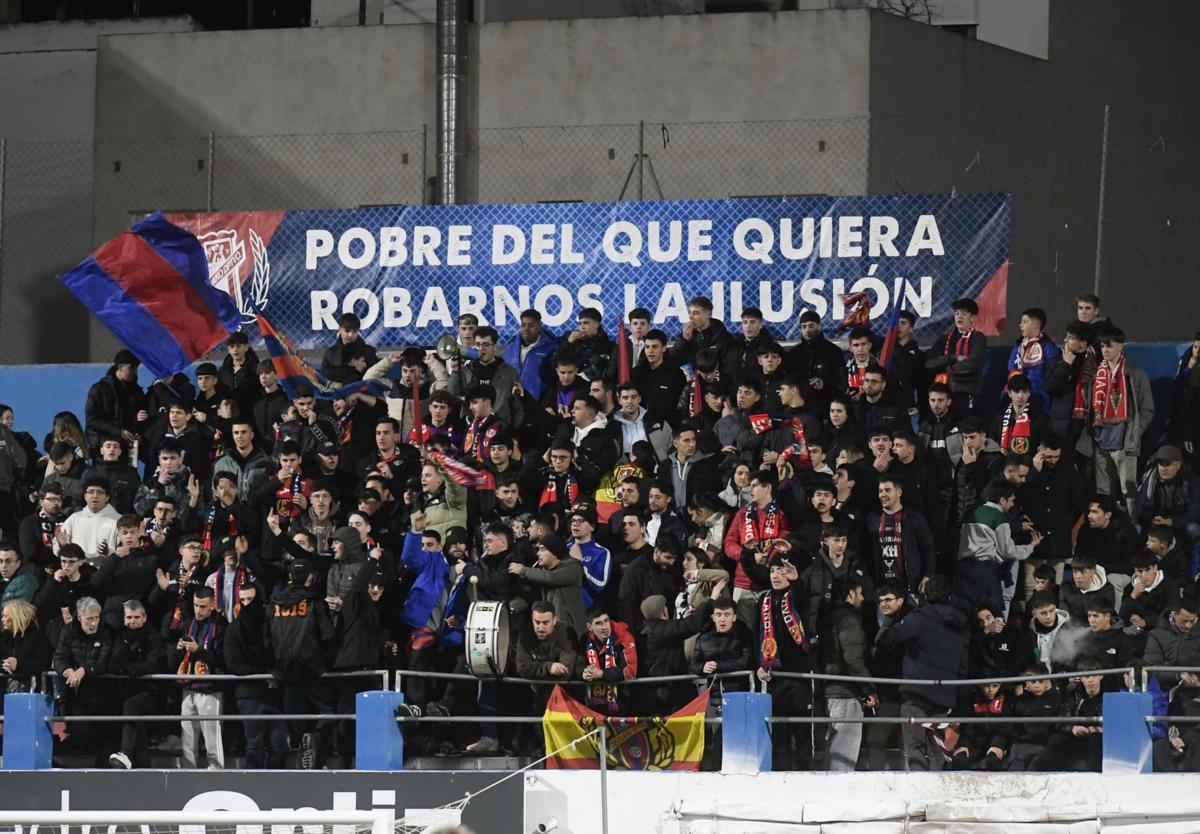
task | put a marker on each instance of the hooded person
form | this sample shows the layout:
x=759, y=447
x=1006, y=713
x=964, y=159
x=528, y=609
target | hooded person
x=349, y=557
x=299, y=630
x=246, y=653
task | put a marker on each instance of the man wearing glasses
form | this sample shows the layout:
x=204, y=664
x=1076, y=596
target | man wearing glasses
x=94, y=526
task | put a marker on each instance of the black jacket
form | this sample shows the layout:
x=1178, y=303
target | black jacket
x=122, y=578
x=246, y=651
x=1028, y=705
x=843, y=651
x=53, y=596
x=31, y=649
x=299, y=628
x=88, y=651
x=1054, y=498
x=642, y=579
x=733, y=651
x=919, y=554
x=934, y=641
x=819, y=359
x=138, y=652
x=1113, y=547
x=361, y=622
x=664, y=639
x=123, y=483
x=112, y=408
x=660, y=389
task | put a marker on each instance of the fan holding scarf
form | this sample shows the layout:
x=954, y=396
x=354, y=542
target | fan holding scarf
x=1120, y=408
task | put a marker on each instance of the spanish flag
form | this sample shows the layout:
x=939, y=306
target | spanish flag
x=673, y=742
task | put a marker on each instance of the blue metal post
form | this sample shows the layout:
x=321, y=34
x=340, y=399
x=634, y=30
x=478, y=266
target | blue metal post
x=745, y=734
x=379, y=739
x=28, y=743
x=1127, y=743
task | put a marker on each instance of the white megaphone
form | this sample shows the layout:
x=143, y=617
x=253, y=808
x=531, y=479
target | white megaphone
x=448, y=348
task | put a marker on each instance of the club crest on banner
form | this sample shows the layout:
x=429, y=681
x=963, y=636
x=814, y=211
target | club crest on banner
x=226, y=255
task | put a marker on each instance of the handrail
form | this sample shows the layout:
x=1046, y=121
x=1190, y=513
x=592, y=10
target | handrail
x=749, y=674
x=959, y=682
x=937, y=719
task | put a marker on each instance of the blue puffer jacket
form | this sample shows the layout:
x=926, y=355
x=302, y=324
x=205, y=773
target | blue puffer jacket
x=432, y=577
x=457, y=605
x=533, y=369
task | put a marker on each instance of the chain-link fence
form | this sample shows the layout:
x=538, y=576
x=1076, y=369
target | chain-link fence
x=1070, y=233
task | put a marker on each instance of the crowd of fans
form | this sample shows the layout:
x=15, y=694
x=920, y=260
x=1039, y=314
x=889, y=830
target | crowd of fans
x=784, y=510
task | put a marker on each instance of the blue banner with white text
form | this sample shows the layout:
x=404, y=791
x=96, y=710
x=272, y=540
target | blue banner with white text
x=408, y=272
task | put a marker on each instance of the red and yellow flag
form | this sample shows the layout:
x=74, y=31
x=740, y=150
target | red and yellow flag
x=672, y=742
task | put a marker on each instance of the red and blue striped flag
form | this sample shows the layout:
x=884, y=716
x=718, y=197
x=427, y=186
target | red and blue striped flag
x=461, y=473
x=293, y=369
x=888, y=351
x=150, y=287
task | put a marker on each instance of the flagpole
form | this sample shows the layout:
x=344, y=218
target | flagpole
x=603, y=779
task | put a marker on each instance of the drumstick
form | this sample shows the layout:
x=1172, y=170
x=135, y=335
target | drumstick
x=474, y=589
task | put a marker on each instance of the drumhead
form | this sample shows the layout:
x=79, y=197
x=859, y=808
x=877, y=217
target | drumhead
x=486, y=639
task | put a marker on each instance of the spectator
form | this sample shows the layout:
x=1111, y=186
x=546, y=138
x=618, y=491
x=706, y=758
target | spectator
x=1110, y=538
x=783, y=646
x=94, y=527
x=933, y=639
x=137, y=651
x=81, y=660
x=1038, y=698
x=488, y=368
x=545, y=652
x=123, y=479
x=902, y=547
x=39, y=530
x=843, y=647
x=1176, y=636
x=170, y=480
x=1105, y=640
x=984, y=746
x=1078, y=747
x=199, y=652
x=246, y=653
x=58, y=596
x=1019, y=428
x=1119, y=410
x=664, y=519
x=299, y=633
x=349, y=342
x=986, y=545
x=1050, y=626
x=693, y=472
x=997, y=648
x=17, y=581
x=758, y=532
x=1180, y=750
x=1088, y=581
x=1149, y=597
x=608, y=656
x=529, y=354
x=1174, y=556
x=239, y=373
x=595, y=560
x=702, y=332
x=652, y=574
x=116, y=405
x=663, y=638
x=1033, y=355
x=1169, y=495
x=957, y=360
x=659, y=379
x=247, y=463
x=1054, y=501
x=726, y=648
x=558, y=579
x=24, y=651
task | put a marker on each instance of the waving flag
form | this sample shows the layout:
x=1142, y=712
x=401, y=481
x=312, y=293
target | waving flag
x=293, y=369
x=889, y=341
x=461, y=473
x=150, y=287
x=671, y=742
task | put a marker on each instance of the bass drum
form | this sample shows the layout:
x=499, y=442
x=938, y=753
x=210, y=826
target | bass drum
x=486, y=642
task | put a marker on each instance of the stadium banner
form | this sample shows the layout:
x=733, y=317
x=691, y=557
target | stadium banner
x=672, y=742
x=498, y=809
x=408, y=272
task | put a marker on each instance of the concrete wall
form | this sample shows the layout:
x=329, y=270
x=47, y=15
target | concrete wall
x=47, y=114
x=951, y=113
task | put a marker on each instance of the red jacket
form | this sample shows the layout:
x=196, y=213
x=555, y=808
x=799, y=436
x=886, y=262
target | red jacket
x=735, y=538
